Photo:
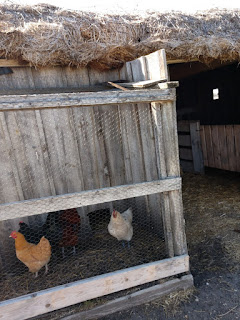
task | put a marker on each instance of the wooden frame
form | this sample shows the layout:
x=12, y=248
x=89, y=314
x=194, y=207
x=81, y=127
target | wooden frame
x=162, y=105
x=65, y=295
x=80, y=99
x=36, y=206
x=135, y=299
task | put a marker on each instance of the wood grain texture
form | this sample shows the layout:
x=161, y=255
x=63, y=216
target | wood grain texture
x=85, y=198
x=62, y=296
x=18, y=102
x=196, y=147
x=221, y=146
x=135, y=299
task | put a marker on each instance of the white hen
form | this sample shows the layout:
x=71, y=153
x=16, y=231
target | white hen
x=120, y=225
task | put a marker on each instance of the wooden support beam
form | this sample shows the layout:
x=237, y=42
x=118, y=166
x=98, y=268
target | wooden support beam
x=80, y=99
x=79, y=199
x=62, y=296
x=169, y=84
x=135, y=299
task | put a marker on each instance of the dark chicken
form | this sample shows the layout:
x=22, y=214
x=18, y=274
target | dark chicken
x=70, y=222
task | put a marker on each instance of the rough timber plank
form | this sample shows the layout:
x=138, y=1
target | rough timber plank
x=204, y=146
x=236, y=132
x=85, y=198
x=171, y=152
x=196, y=147
x=162, y=171
x=209, y=145
x=135, y=299
x=62, y=296
x=18, y=102
x=230, y=142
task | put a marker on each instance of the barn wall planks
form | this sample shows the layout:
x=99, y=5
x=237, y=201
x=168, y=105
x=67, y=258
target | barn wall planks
x=221, y=146
x=191, y=143
x=73, y=149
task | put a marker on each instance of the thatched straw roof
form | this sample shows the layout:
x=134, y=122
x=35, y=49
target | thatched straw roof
x=46, y=35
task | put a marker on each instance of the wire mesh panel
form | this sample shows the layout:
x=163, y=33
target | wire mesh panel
x=108, y=240
x=54, y=156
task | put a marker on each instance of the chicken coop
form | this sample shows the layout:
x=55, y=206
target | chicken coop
x=68, y=160
x=81, y=146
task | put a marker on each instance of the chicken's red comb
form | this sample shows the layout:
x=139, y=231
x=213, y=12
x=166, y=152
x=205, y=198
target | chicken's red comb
x=21, y=222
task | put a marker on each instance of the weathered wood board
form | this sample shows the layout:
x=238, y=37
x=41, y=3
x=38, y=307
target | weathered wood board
x=190, y=146
x=221, y=146
x=83, y=290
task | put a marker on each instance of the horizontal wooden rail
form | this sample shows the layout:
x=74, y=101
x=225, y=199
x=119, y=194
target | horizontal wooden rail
x=79, y=199
x=135, y=299
x=62, y=296
x=81, y=99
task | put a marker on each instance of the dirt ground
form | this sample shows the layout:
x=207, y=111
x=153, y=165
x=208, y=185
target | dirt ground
x=212, y=212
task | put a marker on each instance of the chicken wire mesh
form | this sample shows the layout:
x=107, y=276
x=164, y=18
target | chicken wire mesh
x=59, y=151
x=80, y=249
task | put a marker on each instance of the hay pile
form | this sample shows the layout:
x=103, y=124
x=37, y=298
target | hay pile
x=45, y=35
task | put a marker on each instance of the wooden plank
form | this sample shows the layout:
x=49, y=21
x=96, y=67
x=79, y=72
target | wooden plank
x=184, y=140
x=209, y=146
x=169, y=84
x=187, y=166
x=162, y=172
x=85, y=198
x=216, y=147
x=135, y=299
x=231, y=151
x=196, y=147
x=18, y=102
x=236, y=130
x=147, y=144
x=204, y=146
x=185, y=154
x=157, y=65
x=62, y=296
x=170, y=138
x=183, y=126
x=222, y=140
x=139, y=67
x=143, y=160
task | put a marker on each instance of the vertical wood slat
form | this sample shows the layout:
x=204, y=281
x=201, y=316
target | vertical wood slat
x=209, y=146
x=222, y=146
x=223, y=152
x=216, y=147
x=173, y=169
x=153, y=67
x=236, y=131
x=156, y=67
x=231, y=149
x=196, y=147
x=140, y=71
x=204, y=145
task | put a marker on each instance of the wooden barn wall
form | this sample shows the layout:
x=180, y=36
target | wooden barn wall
x=57, y=151
x=195, y=93
x=221, y=146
